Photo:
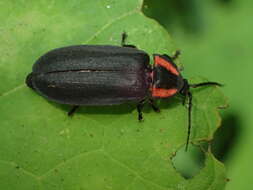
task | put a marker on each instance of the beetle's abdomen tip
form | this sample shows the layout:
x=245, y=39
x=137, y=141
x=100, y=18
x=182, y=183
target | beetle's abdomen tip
x=28, y=80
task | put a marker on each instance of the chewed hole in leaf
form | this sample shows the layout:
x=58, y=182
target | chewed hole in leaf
x=189, y=163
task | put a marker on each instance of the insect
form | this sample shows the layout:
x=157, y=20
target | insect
x=109, y=75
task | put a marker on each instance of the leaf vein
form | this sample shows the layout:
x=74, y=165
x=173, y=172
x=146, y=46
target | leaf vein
x=68, y=160
x=109, y=24
x=148, y=157
x=14, y=164
x=134, y=172
x=12, y=90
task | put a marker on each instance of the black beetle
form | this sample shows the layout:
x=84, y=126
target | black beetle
x=109, y=75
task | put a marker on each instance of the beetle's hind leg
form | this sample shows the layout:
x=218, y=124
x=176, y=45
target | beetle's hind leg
x=123, y=41
x=73, y=110
x=140, y=106
x=152, y=103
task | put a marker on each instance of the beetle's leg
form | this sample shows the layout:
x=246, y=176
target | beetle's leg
x=184, y=100
x=72, y=111
x=176, y=54
x=123, y=38
x=123, y=41
x=139, y=109
x=152, y=103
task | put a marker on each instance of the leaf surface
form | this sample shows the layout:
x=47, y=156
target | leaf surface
x=100, y=147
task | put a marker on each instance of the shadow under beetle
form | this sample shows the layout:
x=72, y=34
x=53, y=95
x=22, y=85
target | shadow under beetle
x=109, y=75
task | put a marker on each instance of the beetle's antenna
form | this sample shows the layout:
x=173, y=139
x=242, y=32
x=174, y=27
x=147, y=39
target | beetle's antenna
x=205, y=84
x=189, y=95
x=189, y=119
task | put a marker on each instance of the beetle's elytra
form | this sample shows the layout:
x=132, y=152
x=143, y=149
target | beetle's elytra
x=108, y=75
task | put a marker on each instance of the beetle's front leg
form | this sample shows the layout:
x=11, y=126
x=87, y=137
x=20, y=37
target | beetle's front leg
x=73, y=110
x=176, y=54
x=152, y=103
x=184, y=100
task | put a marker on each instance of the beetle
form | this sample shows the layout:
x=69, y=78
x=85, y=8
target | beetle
x=109, y=75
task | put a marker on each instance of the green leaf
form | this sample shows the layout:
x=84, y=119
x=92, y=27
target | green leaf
x=100, y=147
